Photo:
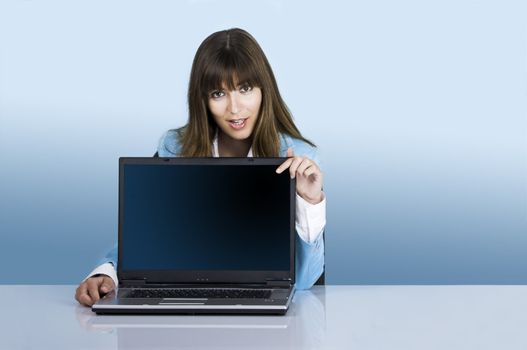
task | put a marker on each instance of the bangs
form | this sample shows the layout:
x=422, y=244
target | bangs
x=229, y=69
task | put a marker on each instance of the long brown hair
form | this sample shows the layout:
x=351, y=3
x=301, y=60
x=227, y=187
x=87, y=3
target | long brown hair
x=227, y=57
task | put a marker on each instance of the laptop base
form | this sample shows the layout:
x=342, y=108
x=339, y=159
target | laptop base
x=113, y=303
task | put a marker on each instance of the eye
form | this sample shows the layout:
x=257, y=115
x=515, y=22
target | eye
x=245, y=88
x=217, y=94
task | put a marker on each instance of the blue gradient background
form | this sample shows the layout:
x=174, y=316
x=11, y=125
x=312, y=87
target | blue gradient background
x=419, y=110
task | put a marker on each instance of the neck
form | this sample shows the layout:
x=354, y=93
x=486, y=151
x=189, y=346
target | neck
x=229, y=147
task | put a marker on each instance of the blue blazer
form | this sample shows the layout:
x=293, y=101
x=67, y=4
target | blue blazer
x=309, y=258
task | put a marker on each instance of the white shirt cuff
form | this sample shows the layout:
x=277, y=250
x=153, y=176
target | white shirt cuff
x=310, y=218
x=105, y=269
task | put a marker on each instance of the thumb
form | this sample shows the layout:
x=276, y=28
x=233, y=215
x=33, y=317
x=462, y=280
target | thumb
x=107, y=285
x=290, y=152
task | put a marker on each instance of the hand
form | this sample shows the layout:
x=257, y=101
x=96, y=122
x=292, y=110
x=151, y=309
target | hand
x=91, y=290
x=308, y=176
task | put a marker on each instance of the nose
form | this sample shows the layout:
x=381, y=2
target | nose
x=234, y=103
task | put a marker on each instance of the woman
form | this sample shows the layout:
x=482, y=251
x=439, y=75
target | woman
x=235, y=110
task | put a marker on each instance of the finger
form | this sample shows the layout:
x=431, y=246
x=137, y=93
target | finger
x=312, y=170
x=108, y=285
x=303, y=166
x=82, y=295
x=86, y=300
x=81, y=289
x=93, y=288
x=284, y=165
x=294, y=166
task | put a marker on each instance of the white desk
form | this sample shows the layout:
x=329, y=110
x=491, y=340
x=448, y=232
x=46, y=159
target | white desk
x=331, y=317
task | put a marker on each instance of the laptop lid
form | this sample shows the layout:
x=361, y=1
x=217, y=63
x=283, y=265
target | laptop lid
x=206, y=220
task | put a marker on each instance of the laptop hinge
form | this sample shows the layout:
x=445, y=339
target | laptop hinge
x=135, y=282
x=278, y=283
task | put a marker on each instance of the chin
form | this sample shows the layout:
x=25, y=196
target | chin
x=239, y=137
x=243, y=135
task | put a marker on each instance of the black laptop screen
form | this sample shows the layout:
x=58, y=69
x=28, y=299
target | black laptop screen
x=205, y=217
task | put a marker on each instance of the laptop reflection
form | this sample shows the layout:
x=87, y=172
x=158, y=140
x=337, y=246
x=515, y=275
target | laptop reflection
x=305, y=323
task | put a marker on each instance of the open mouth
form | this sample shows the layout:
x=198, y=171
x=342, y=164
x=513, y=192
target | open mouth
x=238, y=124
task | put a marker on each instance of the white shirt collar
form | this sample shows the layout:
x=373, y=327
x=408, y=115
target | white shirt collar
x=216, y=152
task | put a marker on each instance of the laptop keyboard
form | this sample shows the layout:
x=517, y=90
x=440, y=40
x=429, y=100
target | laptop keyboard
x=193, y=293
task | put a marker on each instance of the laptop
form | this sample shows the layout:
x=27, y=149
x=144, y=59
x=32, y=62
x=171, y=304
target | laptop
x=204, y=235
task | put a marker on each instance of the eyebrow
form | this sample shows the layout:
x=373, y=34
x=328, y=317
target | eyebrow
x=246, y=83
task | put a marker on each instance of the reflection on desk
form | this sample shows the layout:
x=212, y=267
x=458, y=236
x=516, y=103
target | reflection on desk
x=302, y=327
x=330, y=317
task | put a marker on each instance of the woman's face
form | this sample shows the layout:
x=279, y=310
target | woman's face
x=236, y=111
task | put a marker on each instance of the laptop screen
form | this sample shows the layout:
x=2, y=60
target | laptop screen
x=209, y=214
